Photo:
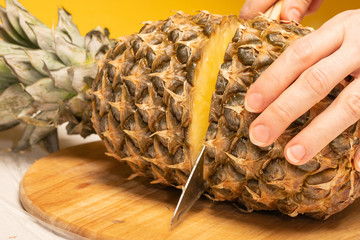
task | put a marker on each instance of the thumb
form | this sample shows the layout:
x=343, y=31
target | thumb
x=296, y=9
x=357, y=160
x=252, y=8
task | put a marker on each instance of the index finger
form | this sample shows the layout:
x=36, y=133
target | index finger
x=298, y=57
x=251, y=8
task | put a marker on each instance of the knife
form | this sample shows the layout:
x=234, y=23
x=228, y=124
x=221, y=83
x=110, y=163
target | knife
x=275, y=10
x=194, y=188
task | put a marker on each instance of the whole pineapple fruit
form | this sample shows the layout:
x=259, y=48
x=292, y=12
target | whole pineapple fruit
x=161, y=94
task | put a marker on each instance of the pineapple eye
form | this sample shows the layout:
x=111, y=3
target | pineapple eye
x=136, y=45
x=166, y=25
x=188, y=36
x=247, y=55
x=260, y=25
x=183, y=53
x=208, y=30
x=150, y=57
x=221, y=84
x=190, y=69
x=174, y=35
x=276, y=39
x=155, y=41
x=146, y=29
x=179, y=156
x=237, y=36
x=273, y=171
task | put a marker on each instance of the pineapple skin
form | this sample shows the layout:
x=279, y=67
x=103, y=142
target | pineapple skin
x=261, y=178
x=141, y=106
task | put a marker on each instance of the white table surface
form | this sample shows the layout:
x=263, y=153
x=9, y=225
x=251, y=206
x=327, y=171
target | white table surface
x=15, y=223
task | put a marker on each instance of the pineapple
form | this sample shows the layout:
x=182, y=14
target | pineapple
x=158, y=96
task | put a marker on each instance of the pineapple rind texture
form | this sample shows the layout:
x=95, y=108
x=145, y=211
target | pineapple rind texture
x=142, y=95
x=142, y=105
x=261, y=178
x=142, y=112
x=50, y=71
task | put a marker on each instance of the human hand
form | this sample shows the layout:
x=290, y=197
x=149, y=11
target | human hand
x=291, y=9
x=303, y=75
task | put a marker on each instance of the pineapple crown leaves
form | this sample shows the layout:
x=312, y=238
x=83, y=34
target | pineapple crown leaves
x=46, y=74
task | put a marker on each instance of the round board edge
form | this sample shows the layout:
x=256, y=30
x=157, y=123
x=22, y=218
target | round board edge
x=36, y=212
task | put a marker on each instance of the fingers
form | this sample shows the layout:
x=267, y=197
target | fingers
x=357, y=160
x=252, y=8
x=291, y=10
x=301, y=55
x=303, y=75
x=314, y=6
x=312, y=86
x=341, y=114
x=296, y=10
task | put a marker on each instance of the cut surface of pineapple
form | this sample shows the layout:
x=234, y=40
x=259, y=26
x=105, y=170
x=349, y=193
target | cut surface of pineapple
x=204, y=81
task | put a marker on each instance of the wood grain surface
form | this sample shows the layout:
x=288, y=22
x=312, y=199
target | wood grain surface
x=83, y=194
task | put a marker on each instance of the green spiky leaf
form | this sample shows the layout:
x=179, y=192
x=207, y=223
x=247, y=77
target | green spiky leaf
x=22, y=68
x=13, y=101
x=10, y=31
x=12, y=10
x=69, y=53
x=40, y=58
x=44, y=90
x=26, y=20
x=50, y=71
x=62, y=79
x=67, y=26
x=44, y=37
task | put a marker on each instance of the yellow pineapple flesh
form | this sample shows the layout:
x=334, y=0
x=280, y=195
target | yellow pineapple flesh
x=204, y=83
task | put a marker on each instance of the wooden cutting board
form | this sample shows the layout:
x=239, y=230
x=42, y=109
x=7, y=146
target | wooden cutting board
x=83, y=194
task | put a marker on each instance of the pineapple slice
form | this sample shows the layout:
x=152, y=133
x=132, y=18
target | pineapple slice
x=204, y=81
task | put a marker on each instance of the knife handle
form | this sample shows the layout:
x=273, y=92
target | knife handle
x=275, y=10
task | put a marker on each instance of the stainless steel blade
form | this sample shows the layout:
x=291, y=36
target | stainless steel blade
x=194, y=188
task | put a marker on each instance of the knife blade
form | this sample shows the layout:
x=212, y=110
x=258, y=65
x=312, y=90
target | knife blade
x=194, y=188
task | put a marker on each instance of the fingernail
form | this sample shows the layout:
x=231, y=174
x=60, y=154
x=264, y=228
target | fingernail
x=259, y=135
x=294, y=14
x=253, y=102
x=295, y=153
x=358, y=164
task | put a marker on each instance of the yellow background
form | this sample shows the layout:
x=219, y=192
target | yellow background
x=124, y=17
